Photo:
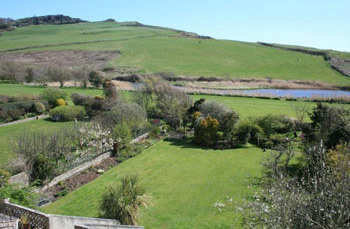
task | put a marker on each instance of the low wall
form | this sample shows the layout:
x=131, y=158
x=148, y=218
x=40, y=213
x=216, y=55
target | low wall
x=10, y=213
x=139, y=138
x=69, y=222
x=76, y=170
x=96, y=226
x=21, y=179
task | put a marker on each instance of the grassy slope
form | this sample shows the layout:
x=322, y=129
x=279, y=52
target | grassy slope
x=153, y=50
x=184, y=180
x=9, y=132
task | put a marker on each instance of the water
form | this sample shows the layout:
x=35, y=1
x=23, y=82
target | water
x=300, y=93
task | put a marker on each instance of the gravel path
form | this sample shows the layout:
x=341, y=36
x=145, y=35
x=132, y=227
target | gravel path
x=24, y=120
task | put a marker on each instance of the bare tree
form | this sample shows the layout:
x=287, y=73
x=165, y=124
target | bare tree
x=301, y=110
x=59, y=73
x=81, y=74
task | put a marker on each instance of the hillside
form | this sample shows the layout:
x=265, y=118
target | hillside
x=149, y=49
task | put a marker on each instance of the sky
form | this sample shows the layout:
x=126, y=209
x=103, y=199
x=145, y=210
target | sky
x=322, y=24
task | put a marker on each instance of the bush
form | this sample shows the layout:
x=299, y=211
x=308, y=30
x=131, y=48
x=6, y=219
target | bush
x=122, y=137
x=67, y=113
x=4, y=177
x=51, y=95
x=61, y=102
x=206, y=132
x=123, y=202
x=39, y=107
x=22, y=196
x=248, y=131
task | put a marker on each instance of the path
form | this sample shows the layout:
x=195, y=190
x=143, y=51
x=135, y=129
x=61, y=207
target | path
x=24, y=120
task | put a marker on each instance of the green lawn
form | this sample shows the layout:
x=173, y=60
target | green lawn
x=184, y=180
x=18, y=89
x=246, y=107
x=153, y=50
x=7, y=133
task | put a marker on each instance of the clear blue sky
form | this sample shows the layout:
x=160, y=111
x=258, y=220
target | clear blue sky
x=315, y=23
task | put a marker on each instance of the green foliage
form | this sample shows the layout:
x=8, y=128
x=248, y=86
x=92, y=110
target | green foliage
x=42, y=168
x=67, y=113
x=206, y=132
x=39, y=107
x=248, y=131
x=123, y=202
x=130, y=113
x=329, y=123
x=21, y=196
x=122, y=136
x=4, y=177
x=272, y=124
x=51, y=95
x=96, y=79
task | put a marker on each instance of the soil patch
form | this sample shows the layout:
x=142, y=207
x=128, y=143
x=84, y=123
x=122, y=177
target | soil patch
x=80, y=179
x=71, y=58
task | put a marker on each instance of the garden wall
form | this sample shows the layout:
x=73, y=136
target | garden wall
x=21, y=179
x=76, y=170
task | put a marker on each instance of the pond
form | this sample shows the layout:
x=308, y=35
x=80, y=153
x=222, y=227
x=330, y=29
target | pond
x=297, y=93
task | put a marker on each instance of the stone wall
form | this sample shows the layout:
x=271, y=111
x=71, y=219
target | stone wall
x=21, y=179
x=76, y=170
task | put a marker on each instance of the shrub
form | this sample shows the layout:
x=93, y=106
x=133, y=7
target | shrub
x=206, y=132
x=123, y=202
x=4, y=177
x=39, y=107
x=248, y=131
x=51, y=95
x=61, y=102
x=22, y=196
x=122, y=137
x=67, y=113
x=130, y=113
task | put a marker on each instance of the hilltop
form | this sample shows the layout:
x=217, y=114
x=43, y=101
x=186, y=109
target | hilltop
x=148, y=50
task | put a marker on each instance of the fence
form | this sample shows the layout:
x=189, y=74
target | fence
x=36, y=219
x=39, y=220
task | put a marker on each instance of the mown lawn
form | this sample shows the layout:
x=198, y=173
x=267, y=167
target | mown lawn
x=184, y=180
x=246, y=107
x=8, y=133
x=151, y=50
x=21, y=89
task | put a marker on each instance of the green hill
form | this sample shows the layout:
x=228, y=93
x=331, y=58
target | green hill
x=149, y=49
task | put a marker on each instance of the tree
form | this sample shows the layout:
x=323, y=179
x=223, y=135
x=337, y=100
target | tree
x=95, y=79
x=109, y=90
x=301, y=111
x=81, y=74
x=123, y=202
x=29, y=77
x=162, y=100
x=58, y=73
x=229, y=121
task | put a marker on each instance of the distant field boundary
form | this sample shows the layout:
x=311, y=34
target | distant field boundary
x=338, y=64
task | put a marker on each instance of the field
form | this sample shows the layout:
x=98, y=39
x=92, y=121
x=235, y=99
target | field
x=7, y=133
x=151, y=50
x=184, y=180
